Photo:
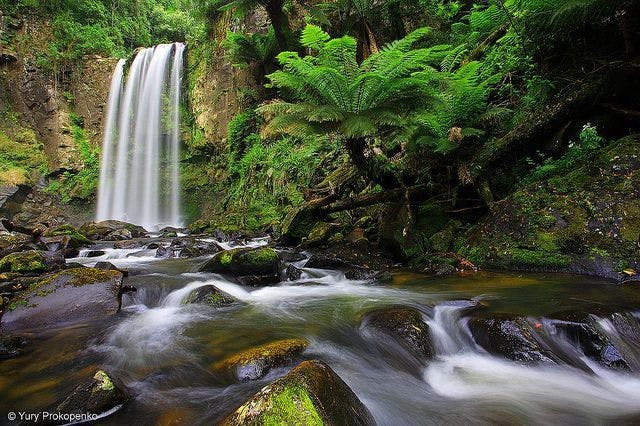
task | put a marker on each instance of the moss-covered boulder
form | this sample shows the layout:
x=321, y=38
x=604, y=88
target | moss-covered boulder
x=209, y=295
x=509, y=336
x=298, y=224
x=70, y=296
x=75, y=238
x=251, y=266
x=256, y=362
x=311, y=394
x=404, y=325
x=97, y=395
x=580, y=218
x=26, y=262
x=12, y=241
x=112, y=230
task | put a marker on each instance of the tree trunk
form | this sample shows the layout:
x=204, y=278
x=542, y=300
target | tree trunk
x=279, y=22
x=375, y=167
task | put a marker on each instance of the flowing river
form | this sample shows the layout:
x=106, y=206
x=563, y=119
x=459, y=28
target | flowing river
x=163, y=350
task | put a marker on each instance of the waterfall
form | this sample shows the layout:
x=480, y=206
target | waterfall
x=139, y=172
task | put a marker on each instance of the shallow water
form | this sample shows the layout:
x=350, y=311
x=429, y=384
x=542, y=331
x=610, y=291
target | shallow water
x=163, y=350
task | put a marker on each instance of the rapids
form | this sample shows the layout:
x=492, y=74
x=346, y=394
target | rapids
x=162, y=349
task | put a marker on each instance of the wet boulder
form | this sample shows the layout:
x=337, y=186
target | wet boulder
x=311, y=394
x=404, y=325
x=582, y=330
x=251, y=266
x=108, y=266
x=70, y=296
x=326, y=261
x=291, y=273
x=509, y=336
x=66, y=236
x=209, y=295
x=97, y=395
x=170, y=232
x=256, y=362
x=112, y=230
x=30, y=261
x=194, y=248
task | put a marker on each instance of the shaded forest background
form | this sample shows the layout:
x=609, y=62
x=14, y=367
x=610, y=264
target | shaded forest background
x=495, y=132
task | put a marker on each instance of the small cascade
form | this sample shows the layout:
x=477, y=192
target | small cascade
x=139, y=174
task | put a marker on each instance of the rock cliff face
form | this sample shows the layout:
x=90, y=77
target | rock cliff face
x=217, y=89
x=45, y=102
x=40, y=103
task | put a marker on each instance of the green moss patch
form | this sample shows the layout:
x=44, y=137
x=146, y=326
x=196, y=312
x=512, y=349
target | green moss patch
x=25, y=262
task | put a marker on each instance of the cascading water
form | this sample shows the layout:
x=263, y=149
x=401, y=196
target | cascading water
x=139, y=174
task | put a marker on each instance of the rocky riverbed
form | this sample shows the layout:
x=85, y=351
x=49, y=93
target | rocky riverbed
x=233, y=329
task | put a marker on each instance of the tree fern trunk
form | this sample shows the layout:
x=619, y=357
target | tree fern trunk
x=279, y=22
x=376, y=168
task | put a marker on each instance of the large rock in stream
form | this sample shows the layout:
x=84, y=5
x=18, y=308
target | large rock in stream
x=582, y=330
x=70, y=296
x=509, y=336
x=311, y=394
x=405, y=326
x=112, y=230
x=96, y=396
x=209, y=295
x=256, y=362
x=251, y=266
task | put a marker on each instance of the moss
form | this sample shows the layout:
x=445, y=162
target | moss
x=25, y=262
x=67, y=230
x=226, y=258
x=104, y=382
x=292, y=406
x=273, y=350
x=264, y=255
x=533, y=259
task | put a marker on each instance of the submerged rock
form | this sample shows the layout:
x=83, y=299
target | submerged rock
x=311, y=394
x=256, y=362
x=252, y=266
x=96, y=396
x=112, y=230
x=209, y=295
x=11, y=346
x=404, y=325
x=70, y=296
x=509, y=336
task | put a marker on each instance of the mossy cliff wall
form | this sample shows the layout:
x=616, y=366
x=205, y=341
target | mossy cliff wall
x=46, y=113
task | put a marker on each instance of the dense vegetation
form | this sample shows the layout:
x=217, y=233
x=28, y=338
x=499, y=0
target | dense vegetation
x=381, y=109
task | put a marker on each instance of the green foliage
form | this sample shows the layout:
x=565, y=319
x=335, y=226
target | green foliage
x=331, y=93
x=269, y=177
x=84, y=183
x=589, y=140
x=109, y=27
x=258, y=50
x=22, y=157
